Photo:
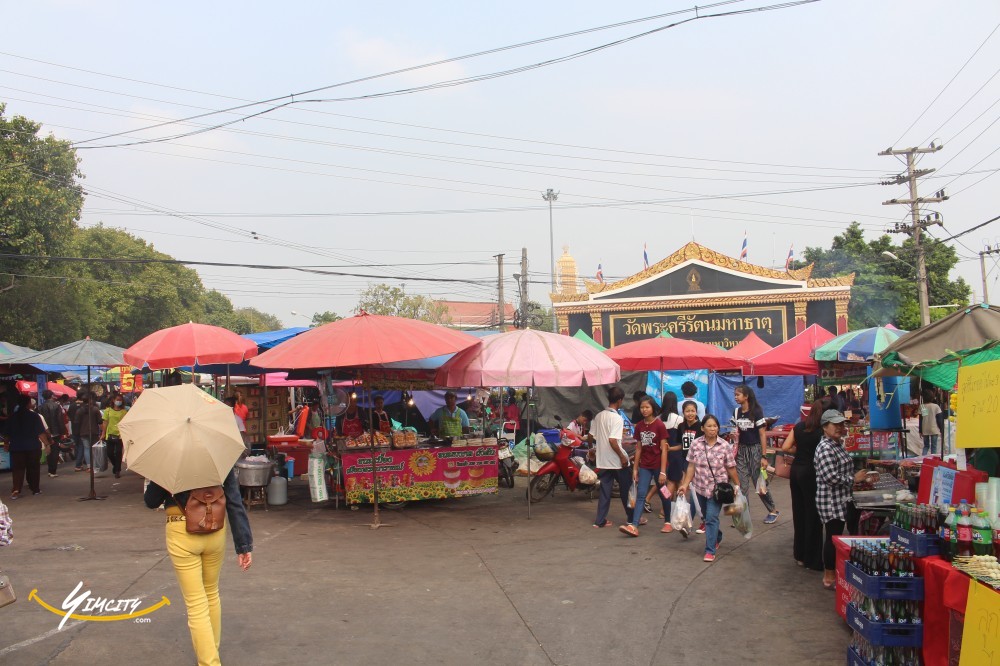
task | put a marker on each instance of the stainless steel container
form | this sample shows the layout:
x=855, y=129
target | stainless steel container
x=254, y=474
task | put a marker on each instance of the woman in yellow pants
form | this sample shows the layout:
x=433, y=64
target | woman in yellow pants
x=197, y=560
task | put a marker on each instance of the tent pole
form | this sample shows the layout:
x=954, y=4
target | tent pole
x=90, y=448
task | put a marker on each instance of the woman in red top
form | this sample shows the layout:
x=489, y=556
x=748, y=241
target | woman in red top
x=241, y=410
x=650, y=464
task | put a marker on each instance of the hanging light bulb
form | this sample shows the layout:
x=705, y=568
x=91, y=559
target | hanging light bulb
x=354, y=395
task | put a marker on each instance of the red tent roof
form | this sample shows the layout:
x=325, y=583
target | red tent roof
x=793, y=357
x=750, y=346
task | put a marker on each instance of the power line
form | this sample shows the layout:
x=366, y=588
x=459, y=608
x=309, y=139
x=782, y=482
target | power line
x=443, y=84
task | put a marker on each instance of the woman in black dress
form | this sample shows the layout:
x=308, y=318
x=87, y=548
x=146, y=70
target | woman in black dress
x=807, y=539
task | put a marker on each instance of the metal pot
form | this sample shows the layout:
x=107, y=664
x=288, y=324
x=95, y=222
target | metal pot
x=254, y=473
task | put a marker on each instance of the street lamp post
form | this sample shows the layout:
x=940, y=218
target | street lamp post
x=922, y=295
x=550, y=195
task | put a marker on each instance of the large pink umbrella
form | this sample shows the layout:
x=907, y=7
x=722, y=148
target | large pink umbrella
x=673, y=354
x=189, y=344
x=528, y=358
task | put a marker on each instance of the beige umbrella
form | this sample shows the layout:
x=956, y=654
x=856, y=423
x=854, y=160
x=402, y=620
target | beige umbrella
x=181, y=438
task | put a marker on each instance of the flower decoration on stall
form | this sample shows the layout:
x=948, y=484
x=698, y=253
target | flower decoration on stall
x=423, y=463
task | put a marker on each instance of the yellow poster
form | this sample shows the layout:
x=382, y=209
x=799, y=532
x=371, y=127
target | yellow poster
x=981, y=636
x=127, y=378
x=979, y=399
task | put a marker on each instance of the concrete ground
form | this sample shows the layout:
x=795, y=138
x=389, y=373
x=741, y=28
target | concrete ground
x=466, y=581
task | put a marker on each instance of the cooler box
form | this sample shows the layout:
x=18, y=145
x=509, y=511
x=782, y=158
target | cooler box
x=938, y=477
x=551, y=435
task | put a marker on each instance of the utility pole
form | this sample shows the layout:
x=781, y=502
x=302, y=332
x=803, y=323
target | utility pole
x=550, y=195
x=500, y=318
x=994, y=249
x=916, y=225
x=524, y=287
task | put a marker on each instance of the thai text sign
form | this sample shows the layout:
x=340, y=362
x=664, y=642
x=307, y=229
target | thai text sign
x=978, y=406
x=724, y=327
x=419, y=474
x=877, y=441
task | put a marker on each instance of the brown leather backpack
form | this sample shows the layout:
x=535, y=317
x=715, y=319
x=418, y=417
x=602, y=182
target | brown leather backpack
x=205, y=510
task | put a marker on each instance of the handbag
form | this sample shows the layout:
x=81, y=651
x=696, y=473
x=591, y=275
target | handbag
x=7, y=596
x=723, y=493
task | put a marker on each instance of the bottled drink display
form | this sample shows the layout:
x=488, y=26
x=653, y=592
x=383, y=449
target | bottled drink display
x=949, y=535
x=964, y=546
x=881, y=558
x=893, y=611
x=917, y=518
x=879, y=655
x=982, y=534
x=996, y=537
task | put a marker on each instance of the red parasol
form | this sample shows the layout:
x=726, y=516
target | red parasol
x=189, y=344
x=673, y=354
x=793, y=357
x=31, y=388
x=364, y=340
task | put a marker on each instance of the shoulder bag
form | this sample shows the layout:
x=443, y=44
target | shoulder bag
x=723, y=493
x=205, y=510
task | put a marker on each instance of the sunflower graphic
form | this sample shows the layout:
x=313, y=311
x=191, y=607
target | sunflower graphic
x=422, y=463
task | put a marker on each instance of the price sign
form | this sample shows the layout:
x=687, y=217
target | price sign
x=979, y=391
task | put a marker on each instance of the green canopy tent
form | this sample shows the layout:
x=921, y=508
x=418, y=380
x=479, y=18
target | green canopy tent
x=580, y=335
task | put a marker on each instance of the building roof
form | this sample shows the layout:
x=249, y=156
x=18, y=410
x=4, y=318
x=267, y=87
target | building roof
x=471, y=314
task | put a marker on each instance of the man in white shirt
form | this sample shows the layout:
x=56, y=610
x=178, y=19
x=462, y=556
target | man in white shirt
x=690, y=390
x=608, y=429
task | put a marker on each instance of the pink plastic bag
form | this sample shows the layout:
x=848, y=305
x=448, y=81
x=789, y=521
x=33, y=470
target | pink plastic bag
x=665, y=492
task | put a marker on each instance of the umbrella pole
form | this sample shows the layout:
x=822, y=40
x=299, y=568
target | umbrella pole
x=528, y=448
x=90, y=449
x=377, y=520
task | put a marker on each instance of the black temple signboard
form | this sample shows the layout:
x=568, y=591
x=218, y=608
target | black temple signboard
x=724, y=327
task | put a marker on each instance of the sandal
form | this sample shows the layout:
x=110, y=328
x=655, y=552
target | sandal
x=643, y=521
x=772, y=517
x=14, y=495
x=606, y=523
x=629, y=529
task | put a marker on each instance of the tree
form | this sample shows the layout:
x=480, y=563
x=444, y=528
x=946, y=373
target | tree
x=382, y=299
x=252, y=320
x=885, y=290
x=321, y=318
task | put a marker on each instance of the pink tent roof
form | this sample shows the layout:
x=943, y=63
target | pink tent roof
x=793, y=357
x=749, y=347
x=673, y=354
x=281, y=379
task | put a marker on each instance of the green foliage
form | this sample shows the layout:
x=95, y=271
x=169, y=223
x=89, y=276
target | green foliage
x=45, y=303
x=382, y=299
x=321, y=318
x=885, y=290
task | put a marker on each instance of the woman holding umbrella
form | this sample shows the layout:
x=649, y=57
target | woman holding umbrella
x=165, y=431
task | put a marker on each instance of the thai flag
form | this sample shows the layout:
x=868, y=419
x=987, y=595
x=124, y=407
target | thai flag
x=743, y=252
x=791, y=255
x=645, y=257
x=600, y=274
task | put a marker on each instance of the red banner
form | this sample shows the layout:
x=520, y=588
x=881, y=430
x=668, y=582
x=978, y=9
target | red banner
x=419, y=474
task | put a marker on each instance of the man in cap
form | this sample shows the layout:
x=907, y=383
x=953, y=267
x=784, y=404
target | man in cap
x=450, y=420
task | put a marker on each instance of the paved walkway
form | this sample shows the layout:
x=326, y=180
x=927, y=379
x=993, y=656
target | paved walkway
x=469, y=581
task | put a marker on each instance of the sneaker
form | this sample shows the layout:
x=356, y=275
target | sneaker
x=771, y=517
x=667, y=528
x=709, y=557
x=52, y=476
x=684, y=532
x=37, y=492
x=701, y=528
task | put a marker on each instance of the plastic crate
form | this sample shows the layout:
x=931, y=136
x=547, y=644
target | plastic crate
x=884, y=587
x=922, y=545
x=885, y=633
x=551, y=435
x=854, y=659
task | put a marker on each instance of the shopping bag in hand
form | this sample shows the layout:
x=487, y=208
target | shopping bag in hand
x=694, y=502
x=762, y=483
x=741, y=517
x=632, y=494
x=99, y=456
x=680, y=516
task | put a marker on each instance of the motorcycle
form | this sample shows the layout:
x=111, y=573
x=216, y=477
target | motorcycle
x=506, y=465
x=562, y=467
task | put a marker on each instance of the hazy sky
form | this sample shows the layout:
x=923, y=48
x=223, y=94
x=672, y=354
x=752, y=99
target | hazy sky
x=714, y=127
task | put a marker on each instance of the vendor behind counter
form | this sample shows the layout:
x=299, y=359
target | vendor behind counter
x=450, y=420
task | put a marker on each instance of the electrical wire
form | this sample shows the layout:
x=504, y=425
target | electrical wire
x=947, y=85
x=442, y=84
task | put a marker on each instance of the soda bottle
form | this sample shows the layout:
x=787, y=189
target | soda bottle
x=965, y=547
x=983, y=536
x=950, y=547
x=932, y=519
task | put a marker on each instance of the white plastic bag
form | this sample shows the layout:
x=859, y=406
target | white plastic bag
x=588, y=476
x=695, y=503
x=680, y=516
x=99, y=456
x=632, y=495
x=741, y=515
x=317, y=480
x=762, y=483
